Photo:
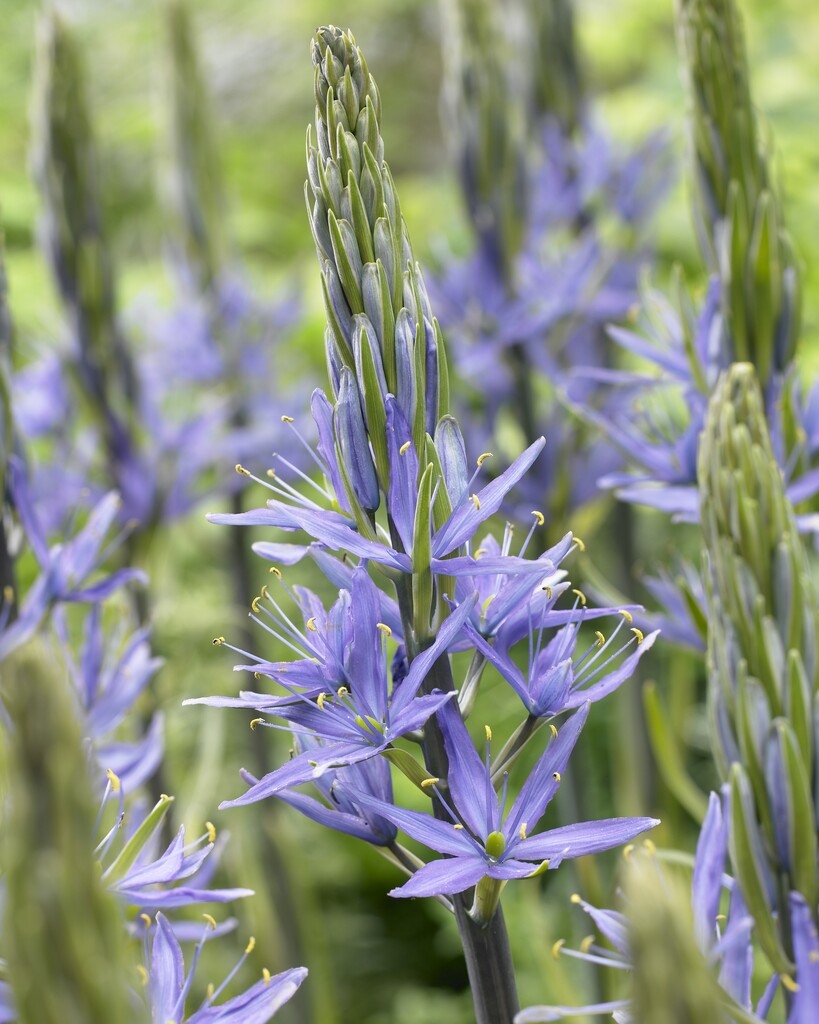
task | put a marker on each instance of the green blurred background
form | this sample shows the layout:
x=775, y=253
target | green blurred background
x=372, y=959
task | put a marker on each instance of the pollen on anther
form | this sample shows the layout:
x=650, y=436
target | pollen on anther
x=217, y=641
x=476, y=501
x=342, y=691
x=143, y=975
x=488, y=732
x=626, y=614
x=482, y=458
x=586, y=944
x=553, y=729
x=210, y=991
x=264, y=592
x=458, y=826
x=275, y=571
x=432, y=781
x=638, y=633
x=211, y=829
x=405, y=447
x=601, y=640
x=548, y=591
x=254, y=604
x=113, y=778
x=575, y=898
x=522, y=832
x=251, y=944
x=255, y=722
x=541, y=519
x=628, y=850
x=311, y=624
x=580, y=596
x=266, y=976
x=271, y=473
x=240, y=469
x=580, y=545
x=385, y=629
x=211, y=920
x=320, y=701
x=557, y=776
x=287, y=419
x=649, y=847
x=556, y=948
x=788, y=983
x=146, y=919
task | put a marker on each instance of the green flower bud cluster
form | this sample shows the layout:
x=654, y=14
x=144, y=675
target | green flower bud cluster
x=486, y=115
x=672, y=983
x=196, y=187
x=63, y=933
x=762, y=630
x=381, y=337
x=65, y=168
x=739, y=216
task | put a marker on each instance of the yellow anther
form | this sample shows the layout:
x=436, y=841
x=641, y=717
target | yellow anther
x=587, y=943
x=251, y=944
x=313, y=764
x=788, y=983
x=431, y=781
x=601, y=640
x=264, y=592
x=488, y=732
x=275, y=571
x=210, y=920
x=556, y=948
x=638, y=633
x=254, y=604
x=164, y=796
x=311, y=624
x=541, y=519
x=146, y=920
x=385, y=629
x=210, y=991
x=649, y=847
x=8, y=593
x=581, y=597
x=548, y=591
x=553, y=729
x=522, y=831
x=266, y=976
x=575, y=898
x=271, y=473
x=482, y=458
x=476, y=501
x=217, y=641
x=211, y=828
x=721, y=918
x=405, y=447
x=143, y=975
x=458, y=826
x=628, y=850
x=320, y=701
x=257, y=675
x=287, y=419
x=557, y=776
x=633, y=312
x=626, y=615
x=813, y=956
x=240, y=469
x=255, y=722
x=580, y=545
x=479, y=552
x=113, y=778
x=342, y=691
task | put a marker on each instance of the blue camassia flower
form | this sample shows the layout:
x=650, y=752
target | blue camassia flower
x=357, y=719
x=168, y=986
x=336, y=528
x=656, y=417
x=728, y=949
x=108, y=676
x=481, y=840
x=64, y=568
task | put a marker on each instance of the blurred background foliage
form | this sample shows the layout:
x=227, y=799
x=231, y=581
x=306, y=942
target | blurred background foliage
x=372, y=959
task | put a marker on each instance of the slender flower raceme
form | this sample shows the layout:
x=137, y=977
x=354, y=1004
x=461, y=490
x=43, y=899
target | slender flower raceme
x=400, y=504
x=761, y=661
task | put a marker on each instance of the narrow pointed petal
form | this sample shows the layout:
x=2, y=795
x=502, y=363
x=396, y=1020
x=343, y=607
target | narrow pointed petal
x=443, y=877
x=582, y=838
